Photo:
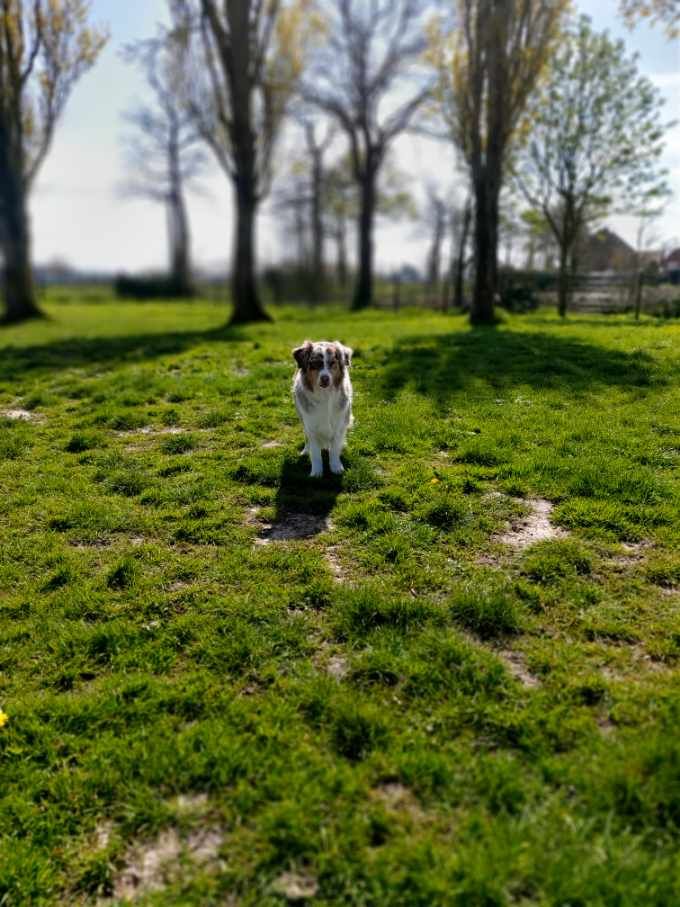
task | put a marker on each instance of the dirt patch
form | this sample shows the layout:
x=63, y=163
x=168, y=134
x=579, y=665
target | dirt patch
x=102, y=835
x=334, y=564
x=640, y=666
x=149, y=431
x=270, y=445
x=19, y=415
x=398, y=798
x=178, y=586
x=83, y=544
x=296, y=886
x=605, y=726
x=292, y=527
x=632, y=554
x=670, y=591
x=535, y=527
x=190, y=804
x=337, y=667
x=151, y=866
x=516, y=665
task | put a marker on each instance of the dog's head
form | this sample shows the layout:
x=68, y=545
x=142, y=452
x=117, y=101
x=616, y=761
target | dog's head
x=322, y=363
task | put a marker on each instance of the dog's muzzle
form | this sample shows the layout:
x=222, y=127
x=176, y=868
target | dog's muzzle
x=324, y=380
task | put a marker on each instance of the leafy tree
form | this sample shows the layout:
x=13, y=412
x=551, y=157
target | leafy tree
x=162, y=150
x=340, y=210
x=487, y=65
x=461, y=220
x=664, y=12
x=316, y=148
x=44, y=49
x=595, y=136
x=539, y=239
x=435, y=216
x=319, y=197
x=242, y=60
x=371, y=50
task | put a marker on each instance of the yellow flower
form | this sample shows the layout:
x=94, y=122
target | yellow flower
x=434, y=481
x=4, y=718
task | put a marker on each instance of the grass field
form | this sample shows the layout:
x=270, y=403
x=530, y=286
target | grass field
x=227, y=684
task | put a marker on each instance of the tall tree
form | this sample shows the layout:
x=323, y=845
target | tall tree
x=664, y=12
x=436, y=217
x=340, y=209
x=163, y=151
x=316, y=151
x=461, y=220
x=44, y=49
x=596, y=136
x=488, y=65
x=538, y=239
x=242, y=60
x=373, y=50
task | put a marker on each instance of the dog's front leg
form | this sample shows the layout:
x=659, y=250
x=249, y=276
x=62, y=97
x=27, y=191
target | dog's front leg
x=334, y=454
x=316, y=458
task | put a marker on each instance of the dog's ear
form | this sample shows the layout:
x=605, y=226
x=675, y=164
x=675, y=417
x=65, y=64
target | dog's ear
x=302, y=353
x=345, y=352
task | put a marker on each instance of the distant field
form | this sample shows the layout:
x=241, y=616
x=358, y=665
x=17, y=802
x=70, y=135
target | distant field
x=450, y=678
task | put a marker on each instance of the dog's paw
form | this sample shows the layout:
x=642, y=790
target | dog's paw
x=316, y=473
x=336, y=467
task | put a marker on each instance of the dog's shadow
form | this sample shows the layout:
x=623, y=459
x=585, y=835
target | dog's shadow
x=303, y=505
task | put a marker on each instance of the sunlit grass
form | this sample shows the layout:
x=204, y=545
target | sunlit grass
x=391, y=702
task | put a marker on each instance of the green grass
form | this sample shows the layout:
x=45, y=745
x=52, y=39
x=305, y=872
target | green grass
x=399, y=709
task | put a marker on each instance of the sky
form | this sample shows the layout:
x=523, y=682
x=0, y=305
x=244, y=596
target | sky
x=80, y=214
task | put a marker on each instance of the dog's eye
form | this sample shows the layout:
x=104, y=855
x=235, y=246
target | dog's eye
x=316, y=363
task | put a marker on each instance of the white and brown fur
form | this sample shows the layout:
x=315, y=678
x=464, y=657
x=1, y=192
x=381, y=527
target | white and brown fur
x=322, y=391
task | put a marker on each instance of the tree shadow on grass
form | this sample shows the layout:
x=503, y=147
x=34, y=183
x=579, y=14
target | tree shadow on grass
x=438, y=365
x=74, y=352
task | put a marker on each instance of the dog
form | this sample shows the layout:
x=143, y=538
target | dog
x=322, y=391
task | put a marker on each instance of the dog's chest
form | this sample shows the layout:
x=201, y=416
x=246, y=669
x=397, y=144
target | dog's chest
x=323, y=418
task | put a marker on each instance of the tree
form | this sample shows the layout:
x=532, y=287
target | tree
x=461, y=221
x=162, y=150
x=595, y=136
x=316, y=150
x=372, y=49
x=665, y=12
x=45, y=47
x=436, y=218
x=487, y=66
x=242, y=60
x=650, y=209
x=539, y=239
x=340, y=209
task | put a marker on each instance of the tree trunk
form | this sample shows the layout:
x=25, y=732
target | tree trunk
x=486, y=250
x=246, y=301
x=459, y=264
x=18, y=286
x=180, y=257
x=363, y=293
x=435, y=254
x=563, y=282
x=341, y=263
x=318, y=274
